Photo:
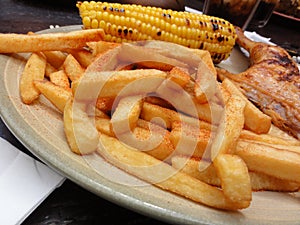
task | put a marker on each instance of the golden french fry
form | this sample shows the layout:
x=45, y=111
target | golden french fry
x=126, y=114
x=193, y=140
x=255, y=120
x=269, y=160
x=259, y=181
x=12, y=43
x=57, y=95
x=72, y=68
x=84, y=57
x=34, y=70
x=148, y=137
x=100, y=47
x=110, y=84
x=230, y=127
x=148, y=58
x=145, y=167
x=93, y=111
x=49, y=69
x=107, y=61
x=234, y=176
x=267, y=138
x=81, y=133
x=205, y=83
x=105, y=104
x=55, y=58
x=61, y=79
x=179, y=75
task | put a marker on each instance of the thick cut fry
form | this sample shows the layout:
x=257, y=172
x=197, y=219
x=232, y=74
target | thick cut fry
x=100, y=47
x=55, y=58
x=110, y=84
x=259, y=181
x=72, y=68
x=61, y=79
x=81, y=133
x=12, y=43
x=34, y=70
x=148, y=57
x=189, y=139
x=147, y=137
x=84, y=57
x=230, y=127
x=234, y=176
x=269, y=160
x=267, y=139
x=105, y=104
x=107, y=61
x=93, y=111
x=49, y=69
x=206, y=84
x=58, y=96
x=255, y=120
x=146, y=168
x=166, y=116
x=179, y=75
x=126, y=114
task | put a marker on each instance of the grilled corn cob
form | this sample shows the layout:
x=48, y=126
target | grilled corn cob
x=130, y=22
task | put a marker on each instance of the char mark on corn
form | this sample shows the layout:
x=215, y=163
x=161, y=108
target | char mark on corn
x=130, y=22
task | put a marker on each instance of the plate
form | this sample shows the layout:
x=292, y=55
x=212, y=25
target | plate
x=39, y=127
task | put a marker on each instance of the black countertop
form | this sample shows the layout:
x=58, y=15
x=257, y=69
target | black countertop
x=71, y=204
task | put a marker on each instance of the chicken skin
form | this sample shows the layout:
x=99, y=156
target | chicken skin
x=272, y=83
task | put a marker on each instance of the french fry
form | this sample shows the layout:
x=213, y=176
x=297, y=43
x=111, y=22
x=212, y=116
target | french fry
x=49, y=69
x=205, y=83
x=193, y=140
x=145, y=167
x=179, y=76
x=55, y=58
x=269, y=160
x=126, y=114
x=147, y=137
x=166, y=116
x=100, y=47
x=110, y=84
x=72, y=68
x=105, y=104
x=259, y=181
x=82, y=135
x=149, y=58
x=58, y=96
x=84, y=57
x=61, y=79
x=107, y=61
x=267, y=139
x=234, y=176
x=34, y=70
x=230, y=127
x=13, y=43
x=93, y=111
x=255, y=120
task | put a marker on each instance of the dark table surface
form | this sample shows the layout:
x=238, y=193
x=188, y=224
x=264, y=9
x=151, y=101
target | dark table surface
x=71, y=204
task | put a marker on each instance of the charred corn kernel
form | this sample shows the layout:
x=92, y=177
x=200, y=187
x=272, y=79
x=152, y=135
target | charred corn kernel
x=130, y=22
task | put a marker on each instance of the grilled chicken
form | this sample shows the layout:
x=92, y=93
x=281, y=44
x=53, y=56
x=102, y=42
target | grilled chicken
x=272, y=83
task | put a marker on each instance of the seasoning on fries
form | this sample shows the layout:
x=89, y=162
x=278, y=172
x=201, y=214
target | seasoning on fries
x=117, y=100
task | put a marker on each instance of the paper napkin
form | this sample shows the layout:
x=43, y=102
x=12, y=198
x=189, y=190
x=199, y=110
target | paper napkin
x=24, y=183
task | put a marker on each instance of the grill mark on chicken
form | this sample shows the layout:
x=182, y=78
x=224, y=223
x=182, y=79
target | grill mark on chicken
x=272, y=83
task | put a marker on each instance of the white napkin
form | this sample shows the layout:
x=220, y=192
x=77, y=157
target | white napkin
x=24, y=183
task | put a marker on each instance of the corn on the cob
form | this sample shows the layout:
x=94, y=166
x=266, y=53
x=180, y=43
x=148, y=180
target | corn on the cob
x=130, y=22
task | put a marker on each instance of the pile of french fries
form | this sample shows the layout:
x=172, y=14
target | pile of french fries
x=157, y=111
